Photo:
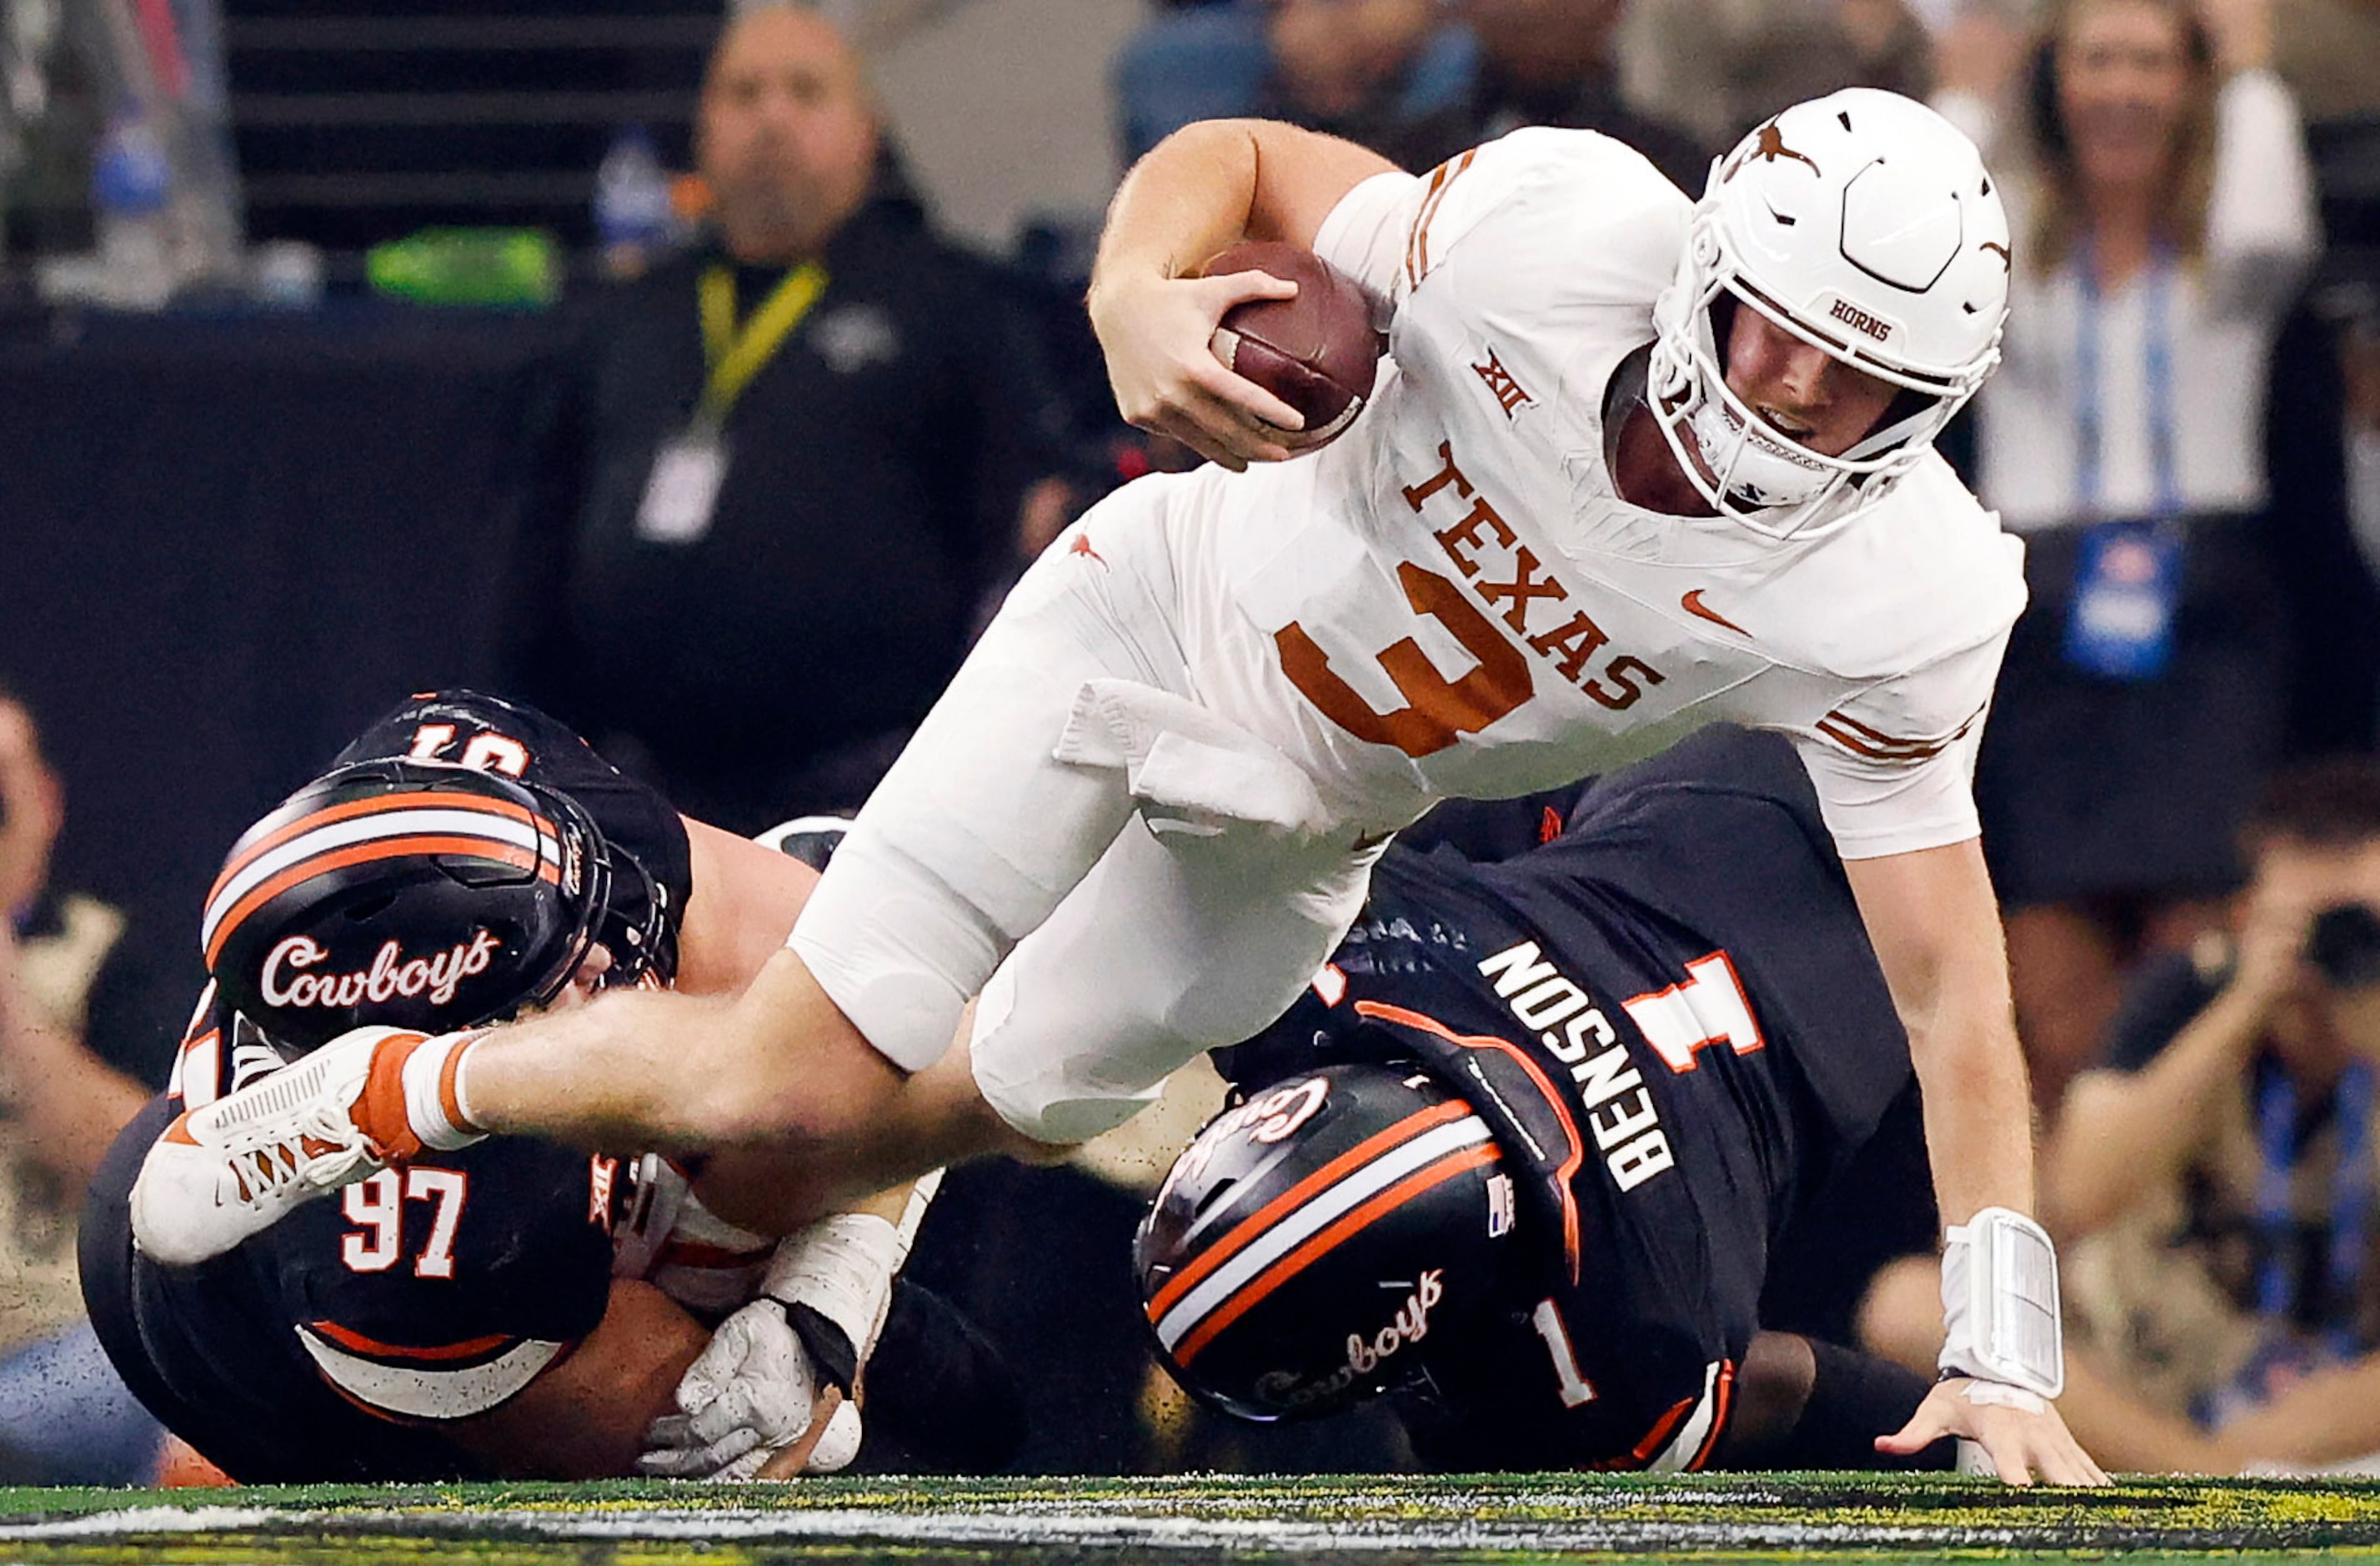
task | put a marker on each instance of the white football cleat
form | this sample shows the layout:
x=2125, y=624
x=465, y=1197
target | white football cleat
x=232, y=1169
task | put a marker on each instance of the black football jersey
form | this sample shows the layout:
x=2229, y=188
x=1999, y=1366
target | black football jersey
x=1673, y=1019
x=333, y=1345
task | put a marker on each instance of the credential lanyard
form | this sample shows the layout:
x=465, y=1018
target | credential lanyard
x=736, y=354
x=2089, y=457
x=2350, y=1198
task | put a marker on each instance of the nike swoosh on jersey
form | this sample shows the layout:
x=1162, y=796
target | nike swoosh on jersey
x=1693, y=604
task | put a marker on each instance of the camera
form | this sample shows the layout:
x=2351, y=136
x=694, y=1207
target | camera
x=2345, y=945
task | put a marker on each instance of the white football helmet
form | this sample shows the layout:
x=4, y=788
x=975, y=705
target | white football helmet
x=1863, y=223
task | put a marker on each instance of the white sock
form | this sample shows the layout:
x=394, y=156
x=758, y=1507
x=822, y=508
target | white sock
x=433, y=1093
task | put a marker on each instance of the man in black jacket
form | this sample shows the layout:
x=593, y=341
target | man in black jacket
x=797, y=460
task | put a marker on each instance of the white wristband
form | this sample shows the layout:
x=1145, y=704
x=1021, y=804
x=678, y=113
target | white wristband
x=2000, y=1303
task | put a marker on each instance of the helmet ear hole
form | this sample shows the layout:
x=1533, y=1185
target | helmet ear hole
x=1216, y=1197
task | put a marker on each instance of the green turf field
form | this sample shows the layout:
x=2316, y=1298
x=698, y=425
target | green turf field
x=1094, y=1523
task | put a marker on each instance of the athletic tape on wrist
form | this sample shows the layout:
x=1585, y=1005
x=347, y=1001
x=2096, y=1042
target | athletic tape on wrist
x=2000, y=1313
x=838, y=1271
x=433, y=1102
x=2000, y=1394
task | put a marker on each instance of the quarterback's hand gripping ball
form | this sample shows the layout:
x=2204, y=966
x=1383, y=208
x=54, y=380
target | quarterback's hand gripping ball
x=1316, y=352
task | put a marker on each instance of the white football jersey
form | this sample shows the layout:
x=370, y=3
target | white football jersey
x=1452, y=599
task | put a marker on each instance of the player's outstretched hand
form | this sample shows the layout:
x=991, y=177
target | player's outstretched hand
x=750, y=1394
x=1157, y=334
x=2020, y=1433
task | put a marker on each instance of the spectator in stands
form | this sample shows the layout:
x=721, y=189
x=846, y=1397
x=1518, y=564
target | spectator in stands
x=65, y=1416
x=2213, y=1179
x=2162, y=215
x=1346, y=67
x=1549, y=62
x=798, y=461
x=1365, y=69
x=1718, y=68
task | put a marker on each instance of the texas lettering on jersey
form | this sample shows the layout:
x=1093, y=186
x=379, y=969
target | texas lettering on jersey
x=1465, y=594
x=1502, y=579
x=1481, y=543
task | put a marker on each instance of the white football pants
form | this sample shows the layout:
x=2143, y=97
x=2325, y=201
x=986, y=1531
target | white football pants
x=1126, y=878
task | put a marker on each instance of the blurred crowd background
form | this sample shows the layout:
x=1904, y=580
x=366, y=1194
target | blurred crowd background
x=346, y=348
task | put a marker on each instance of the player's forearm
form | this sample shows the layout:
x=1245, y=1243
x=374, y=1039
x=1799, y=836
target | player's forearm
x=1978, y=1112
x=776, y=1193
x=1936, y=931
x=586, y=1417
x=2122, y=1134
x=1192, y=194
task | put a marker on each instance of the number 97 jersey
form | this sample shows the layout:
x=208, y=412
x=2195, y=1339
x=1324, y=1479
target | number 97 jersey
x=338, y=1343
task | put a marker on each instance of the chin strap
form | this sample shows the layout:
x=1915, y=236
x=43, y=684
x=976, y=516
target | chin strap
x=1999, y=1303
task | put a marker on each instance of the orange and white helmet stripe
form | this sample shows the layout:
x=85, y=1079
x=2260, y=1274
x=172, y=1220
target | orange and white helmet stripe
x=1312, y=1217
x=361, y=831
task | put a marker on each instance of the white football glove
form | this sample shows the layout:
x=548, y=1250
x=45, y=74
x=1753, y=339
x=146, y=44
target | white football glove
x=745, y=1398
x=750, y=1394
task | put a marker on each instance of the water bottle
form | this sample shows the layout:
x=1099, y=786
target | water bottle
x=501, y=267
x=634, y=218
x=131, y=197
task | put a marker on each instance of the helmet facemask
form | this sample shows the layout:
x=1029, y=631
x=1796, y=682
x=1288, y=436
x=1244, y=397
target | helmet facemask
x=622, y=909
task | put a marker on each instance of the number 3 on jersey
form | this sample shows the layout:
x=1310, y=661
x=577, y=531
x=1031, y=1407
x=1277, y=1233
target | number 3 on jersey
x=1438, y=711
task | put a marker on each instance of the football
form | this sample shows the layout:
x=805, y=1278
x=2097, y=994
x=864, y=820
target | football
x=1316, y=352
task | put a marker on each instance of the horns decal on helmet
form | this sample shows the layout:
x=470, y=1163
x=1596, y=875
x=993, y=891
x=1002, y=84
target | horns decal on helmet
x=1768, y=146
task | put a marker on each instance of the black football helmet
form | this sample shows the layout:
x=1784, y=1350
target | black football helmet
x=1308, y=1245
x=416, y=895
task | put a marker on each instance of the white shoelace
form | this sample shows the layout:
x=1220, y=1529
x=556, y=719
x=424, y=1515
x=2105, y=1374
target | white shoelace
x=262, y=1132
